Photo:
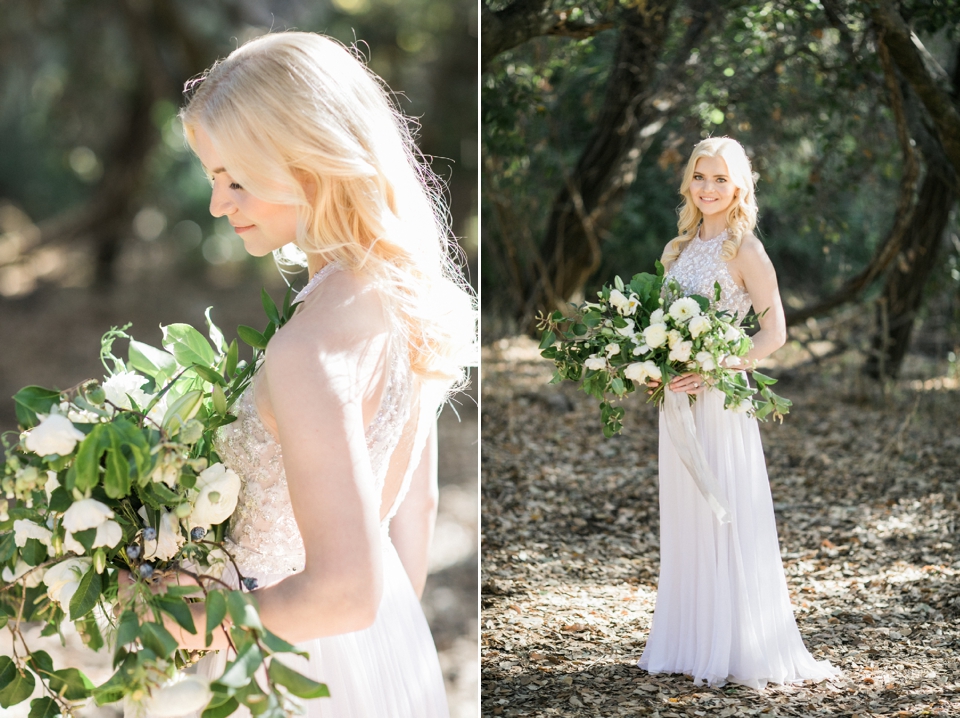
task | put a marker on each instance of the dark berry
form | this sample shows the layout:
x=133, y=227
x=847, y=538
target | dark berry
x=133, y=552
x=149, y=534
x=146, y=571
x=197, y=533
x=250, y=584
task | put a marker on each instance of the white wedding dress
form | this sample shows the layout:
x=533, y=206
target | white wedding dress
x=389, y=670
x=723, y=612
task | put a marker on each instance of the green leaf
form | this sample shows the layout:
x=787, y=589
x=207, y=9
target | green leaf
x=33, y=552
x=7, y=547
x=177, y=608
x=33, y=400
x=87, y=463
x=617, y=385
x=233, y=355
x=178, y=591
x=158, y=639
x=592, y=319
x=8, y=670
x=579, y=329
x=59, y=500
x=43, y=708
x=278, y=645
x=270, y=307
x=40, y=662
x=155, y=363
x=547, y=340
x=216, y=336
x=86, y=596
x=187, y=345
x=252, y=337
x=222, y=710
x=219, y=400
x=216, y=612
x=182, y=410
x=114, y=688
x=128, y=628
x=296, y=683
x=237, y=674
x=71, y=684
x=243, y=611
x=208, y=374
x=763, y=379
x=18, y=689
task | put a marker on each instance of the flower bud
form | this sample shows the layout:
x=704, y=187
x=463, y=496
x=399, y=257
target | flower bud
x=183, y=510
x=99, y=560
x=96, y=395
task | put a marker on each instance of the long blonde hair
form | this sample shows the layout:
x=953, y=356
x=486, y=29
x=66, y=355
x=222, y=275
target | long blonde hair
x=742, y=215
x=292, y=110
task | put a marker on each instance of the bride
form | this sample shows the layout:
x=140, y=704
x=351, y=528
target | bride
x=335, y=441
x=723, y=612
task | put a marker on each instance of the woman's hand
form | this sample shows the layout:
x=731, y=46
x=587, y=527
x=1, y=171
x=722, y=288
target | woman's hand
x=689, y=383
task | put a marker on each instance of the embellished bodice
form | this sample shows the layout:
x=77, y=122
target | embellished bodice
x=263, y=532
x=699, y=266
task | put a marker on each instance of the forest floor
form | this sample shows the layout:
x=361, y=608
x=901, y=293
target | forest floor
x=864, y=484
x=52, y=338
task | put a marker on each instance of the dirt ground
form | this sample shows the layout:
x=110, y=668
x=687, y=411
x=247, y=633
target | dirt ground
x=865, y=491
x=52, y=338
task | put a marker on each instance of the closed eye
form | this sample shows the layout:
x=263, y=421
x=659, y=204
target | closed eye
x=234, y=185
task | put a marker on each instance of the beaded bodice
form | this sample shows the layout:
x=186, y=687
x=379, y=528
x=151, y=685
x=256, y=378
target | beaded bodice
x=263, y=531
x=699, y=266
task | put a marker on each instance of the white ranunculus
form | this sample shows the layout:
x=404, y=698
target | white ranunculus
x=618, y=300
x=24, y=529
x=641, y=350
x=656, y=316
x=684, y=308
x=169, y=538
x=34, y=579
x=655, y=335
x=681, y=352
x=86, y=514
x=109, y=534
x=219, y=488
x=627, y=330
x=731, y=334
x=612, y=349
x=187, y=694
x=125, y=385
x=62, y=579
x=55, y=435
x=673, y=338
x=705, y=361
x=595, y=363
x=699, y=325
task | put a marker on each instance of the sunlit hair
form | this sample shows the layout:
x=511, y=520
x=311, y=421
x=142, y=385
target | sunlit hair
x=293, y=110
x=742, y=215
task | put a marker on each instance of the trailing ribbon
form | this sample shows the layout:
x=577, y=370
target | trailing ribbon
x=683, y=434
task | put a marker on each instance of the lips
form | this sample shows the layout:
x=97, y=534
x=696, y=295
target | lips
x=241, y=230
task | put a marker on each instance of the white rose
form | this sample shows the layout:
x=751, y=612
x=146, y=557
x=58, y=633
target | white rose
x=731, y=334
x=86, y=514
x=681, y=352
x=743, y=407
x=54, y=435
x=656, y=316
x=627, y=330
x=705, y=361
x=652, y=370
x=169, y=539
x=219, y=488
x=62, y=579
x=655, y=335
x=673, y=338
x=595, y=363
x=641, y=371
x=699, y=325
x=612, y=350
x=684, y=308
x=641, y=350
x=125, y=385
x=24, y=529
x=187, y=694
x=34, y=579
x=71, y=544
x=618, y=300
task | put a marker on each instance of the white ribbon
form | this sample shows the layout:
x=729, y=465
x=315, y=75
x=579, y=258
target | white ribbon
x=683, y=434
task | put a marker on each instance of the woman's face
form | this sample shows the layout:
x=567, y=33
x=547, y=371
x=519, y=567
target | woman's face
x=711, y=187
x=263, y=226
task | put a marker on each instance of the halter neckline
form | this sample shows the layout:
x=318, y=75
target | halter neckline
x=315, y=280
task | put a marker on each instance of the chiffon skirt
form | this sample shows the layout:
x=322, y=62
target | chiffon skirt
x=723, y=612
x=389, y=670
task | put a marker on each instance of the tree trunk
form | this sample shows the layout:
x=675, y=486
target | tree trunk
x=903, y=290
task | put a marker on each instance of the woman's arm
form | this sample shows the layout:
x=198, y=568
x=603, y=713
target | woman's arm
x=753, y=269
x=412, y=528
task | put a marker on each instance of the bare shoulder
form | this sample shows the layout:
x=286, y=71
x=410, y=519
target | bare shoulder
x=344, y=313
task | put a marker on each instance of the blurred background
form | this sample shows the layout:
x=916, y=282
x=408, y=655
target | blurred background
x=104, y=221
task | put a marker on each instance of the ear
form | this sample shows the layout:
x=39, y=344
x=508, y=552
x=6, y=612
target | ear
x=309, y=184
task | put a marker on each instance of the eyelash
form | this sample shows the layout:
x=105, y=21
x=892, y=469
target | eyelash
x=700, y=177
x=234, y=185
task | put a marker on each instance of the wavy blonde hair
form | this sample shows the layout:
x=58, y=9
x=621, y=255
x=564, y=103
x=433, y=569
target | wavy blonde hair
x=292, y=110
x=742, y=215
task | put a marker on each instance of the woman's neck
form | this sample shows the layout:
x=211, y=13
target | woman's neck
x=315, y=262
x=712, y=226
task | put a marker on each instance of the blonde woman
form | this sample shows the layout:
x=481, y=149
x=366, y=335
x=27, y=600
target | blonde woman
x=335, y=440
x=723, y=612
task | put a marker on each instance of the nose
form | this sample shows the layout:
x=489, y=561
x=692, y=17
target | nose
x=221, y=203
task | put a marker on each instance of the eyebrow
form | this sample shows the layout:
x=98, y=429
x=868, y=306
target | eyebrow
x=216, y=171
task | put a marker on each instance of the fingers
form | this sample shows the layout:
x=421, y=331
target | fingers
x=687, y=384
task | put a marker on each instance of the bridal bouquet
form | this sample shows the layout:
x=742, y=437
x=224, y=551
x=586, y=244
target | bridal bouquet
x=649, y=330
x=122, y=474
